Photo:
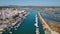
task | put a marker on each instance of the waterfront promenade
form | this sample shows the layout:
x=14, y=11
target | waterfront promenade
x=46, y=25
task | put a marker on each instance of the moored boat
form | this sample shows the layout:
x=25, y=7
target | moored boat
x=10, y=17
x=36, y=24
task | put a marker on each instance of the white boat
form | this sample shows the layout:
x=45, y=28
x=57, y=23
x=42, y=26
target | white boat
x=37, y=31
x=37, y=27
x=36, y=20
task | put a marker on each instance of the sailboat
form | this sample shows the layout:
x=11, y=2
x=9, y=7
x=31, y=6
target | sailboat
x=36, y=24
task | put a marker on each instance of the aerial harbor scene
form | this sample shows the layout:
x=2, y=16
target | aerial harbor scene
x=29, y=16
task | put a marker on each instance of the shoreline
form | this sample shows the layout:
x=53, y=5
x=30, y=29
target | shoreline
x=46, y=27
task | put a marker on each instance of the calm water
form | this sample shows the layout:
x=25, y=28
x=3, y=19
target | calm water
x=27, y=26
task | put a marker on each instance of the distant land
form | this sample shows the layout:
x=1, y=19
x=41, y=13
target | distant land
x=15, y=6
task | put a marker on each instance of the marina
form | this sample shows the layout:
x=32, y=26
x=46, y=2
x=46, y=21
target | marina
x=10, y=20
x=29, y=22
x=29, y=16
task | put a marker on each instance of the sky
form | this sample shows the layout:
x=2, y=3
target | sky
x=30, y=2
